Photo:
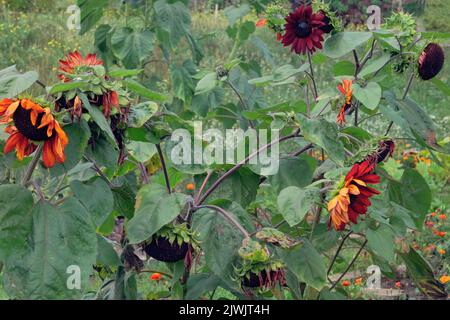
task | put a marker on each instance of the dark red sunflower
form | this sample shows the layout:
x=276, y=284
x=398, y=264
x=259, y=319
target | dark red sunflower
x=352, y=198
x=75, y=61
x=431, y=61
x=303, y=30
x=30, y=124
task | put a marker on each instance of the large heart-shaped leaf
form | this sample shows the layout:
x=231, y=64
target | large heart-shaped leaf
x=341, y=43
x=294, y=203
x=369, y=96
x=132, y=46
x=154, y=209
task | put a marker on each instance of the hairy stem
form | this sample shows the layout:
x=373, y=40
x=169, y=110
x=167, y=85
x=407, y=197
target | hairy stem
x=163, y=164
x=228, y=216
x=312, y=76
x=350, y=265
x=33, y=164
x=241, y=163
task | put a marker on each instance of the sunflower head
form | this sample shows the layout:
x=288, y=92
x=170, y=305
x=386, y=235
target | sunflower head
x=302, y=30
x=346, y=89
x=30, y=123
x=74, y=63
x=351, y=198
x=431, y=61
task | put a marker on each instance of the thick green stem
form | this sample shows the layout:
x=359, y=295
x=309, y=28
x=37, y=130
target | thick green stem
x=32, y=166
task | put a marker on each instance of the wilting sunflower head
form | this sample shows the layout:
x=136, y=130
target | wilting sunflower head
x=346, y=89
x=302, y=30
x=30, y=123
x=431, y=61
x=351, y=198
x=74, y=63
x=332, y=22
x=403, y=24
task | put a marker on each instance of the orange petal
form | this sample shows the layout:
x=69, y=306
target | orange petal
x=47, y=155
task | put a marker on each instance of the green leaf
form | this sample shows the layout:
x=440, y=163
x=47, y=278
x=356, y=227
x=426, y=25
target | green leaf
x=173, y=18
x=279, y=75
x=141, y=113
x=422, y=273
x=295, y=171
x=91, y=13
x=199, y=284
x=374, y=65
x=182, y=82
x=233, y=13
x=12, y=82
x=306, y=263
x=67, y=86
x=343, y=68
x=142, y=91
x=124, y=198
x=441, y=86
x=381, y=242
x=124, y=73
x=413, y=193
x=341, y=43
x=154, y=209
x=294, y=203
x=106, y=255
x=220, y=241
x=98, y=117
x=324, y=134
x=132, y=46
x=96, y=197
x=369, y=96
x=62, y=237
x=206, y=84
x=141, y=151
x=15, y=219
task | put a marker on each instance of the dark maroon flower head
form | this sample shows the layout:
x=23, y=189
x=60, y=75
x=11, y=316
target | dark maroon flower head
x=385, y=150
x=302, y=30
x=431, y=61
x=328, y=27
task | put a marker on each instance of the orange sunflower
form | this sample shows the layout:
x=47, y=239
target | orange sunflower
x=28, y=124
x=346, y=89
x=352, y=199
x=75, y=60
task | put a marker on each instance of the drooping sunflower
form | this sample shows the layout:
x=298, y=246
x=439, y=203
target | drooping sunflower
x=75, y=66
x=431, y=61
x=303, y=30
x=29, y=124
x=75, y=61
x=352, y=197
x=346, y=89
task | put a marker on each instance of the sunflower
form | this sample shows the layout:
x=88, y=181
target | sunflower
x=431, y=61
x=352, y=198
x=75, y=61
x=29, y=124
x=75, y=64
x=346, y=89
x=303, y=30
x=385, y=150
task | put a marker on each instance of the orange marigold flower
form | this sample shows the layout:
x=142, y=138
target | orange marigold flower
x=261, y=23
x=441, y=233
x=190, y=186
x=398, y=284
x=352, y=199
x=30, y=124
x=444, y=279
x=75, y=60
x=442, y=216
x=156, y=276
x=358, y=281
x=441, y=252
x=345, y=283
x=346, y=89
x=433, y=214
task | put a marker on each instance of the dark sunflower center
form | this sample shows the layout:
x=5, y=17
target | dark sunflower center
x=22, y=121
x=303, y=29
